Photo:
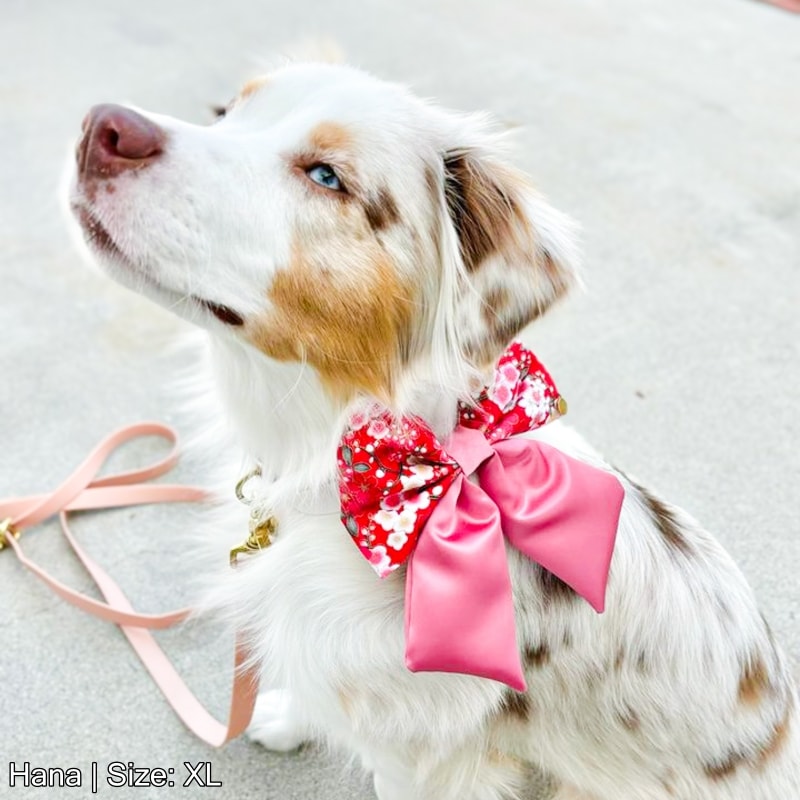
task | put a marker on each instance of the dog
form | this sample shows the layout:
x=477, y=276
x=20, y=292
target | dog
x=344, y=243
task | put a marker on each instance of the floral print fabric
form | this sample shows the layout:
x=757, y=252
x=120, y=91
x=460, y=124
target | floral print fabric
x=392, y=470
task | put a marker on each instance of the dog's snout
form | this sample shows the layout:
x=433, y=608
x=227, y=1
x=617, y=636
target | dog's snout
x=116, y=139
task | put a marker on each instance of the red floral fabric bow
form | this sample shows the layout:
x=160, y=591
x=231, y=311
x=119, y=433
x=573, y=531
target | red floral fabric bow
x=396, y=478
x=393, y=470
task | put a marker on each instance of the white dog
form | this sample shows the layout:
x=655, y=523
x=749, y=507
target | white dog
x=345, y=243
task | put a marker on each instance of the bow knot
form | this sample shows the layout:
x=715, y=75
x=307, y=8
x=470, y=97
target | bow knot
x=469, y=448
x=397, y=479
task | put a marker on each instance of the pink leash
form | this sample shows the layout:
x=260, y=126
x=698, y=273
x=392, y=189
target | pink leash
x=82, y=491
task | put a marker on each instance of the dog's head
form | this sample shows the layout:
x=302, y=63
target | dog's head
x=327, y=218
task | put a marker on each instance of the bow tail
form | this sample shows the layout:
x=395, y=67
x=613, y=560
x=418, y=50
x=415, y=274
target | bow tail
x=560, y=512
x=459, y=608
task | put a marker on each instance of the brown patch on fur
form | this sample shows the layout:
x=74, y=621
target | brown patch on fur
x=757, y=757
x=502, y=323
x=642, y=664
x=516, y=704
x=665, y=521
x=507, y=326
x=351, y=322
x=727, y=766
x=434, y=185
x=595, y=677
x=629, y=720
x=537, y=656
x=381, y=210
x=252, y=86
x=754, y=682
x=485, y=200
x=554, y=590
x=618, y=659
x=500, y=330
x=483, y=211
x=776, y=741
x=495, y=302
x=550, y=267
x=331, y=137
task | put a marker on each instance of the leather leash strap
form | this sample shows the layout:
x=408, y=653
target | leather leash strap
x=83, y=491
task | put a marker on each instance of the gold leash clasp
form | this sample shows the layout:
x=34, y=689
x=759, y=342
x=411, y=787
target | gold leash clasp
x=243, y=481
x=261, y=530
x=6, y=530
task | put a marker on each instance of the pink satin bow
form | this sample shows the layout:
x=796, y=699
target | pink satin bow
x=558, y=511
x=406, y=497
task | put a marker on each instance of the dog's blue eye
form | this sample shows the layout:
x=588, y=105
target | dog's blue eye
x=324, y=175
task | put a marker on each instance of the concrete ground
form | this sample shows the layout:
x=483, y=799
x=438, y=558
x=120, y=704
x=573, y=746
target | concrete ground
x=670, y=130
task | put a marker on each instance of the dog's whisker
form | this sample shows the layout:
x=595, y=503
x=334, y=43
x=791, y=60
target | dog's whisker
x=293, y=388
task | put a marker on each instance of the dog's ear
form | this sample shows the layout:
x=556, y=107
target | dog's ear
x=518, y=253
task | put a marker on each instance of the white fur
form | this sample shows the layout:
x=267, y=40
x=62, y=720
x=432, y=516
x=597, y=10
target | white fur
x=644, y=701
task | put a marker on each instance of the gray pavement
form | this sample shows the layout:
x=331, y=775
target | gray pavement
x=670, y=130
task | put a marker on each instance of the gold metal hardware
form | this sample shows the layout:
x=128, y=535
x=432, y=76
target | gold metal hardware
x=261, y=529
x=240, y=495
x=261, y=532
x=6, y=530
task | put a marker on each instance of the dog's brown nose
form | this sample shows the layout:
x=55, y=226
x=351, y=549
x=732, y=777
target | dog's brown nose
x=116, y=139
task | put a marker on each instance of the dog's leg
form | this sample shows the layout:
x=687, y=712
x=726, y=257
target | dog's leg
x=395, y=784
x=469, y=773
x=276, y=723
x=392, y=777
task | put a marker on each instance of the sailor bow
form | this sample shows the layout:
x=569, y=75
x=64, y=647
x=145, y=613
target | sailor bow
x=397, y=479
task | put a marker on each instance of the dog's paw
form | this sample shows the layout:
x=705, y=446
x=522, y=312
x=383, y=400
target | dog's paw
x=275, y=724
